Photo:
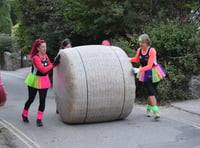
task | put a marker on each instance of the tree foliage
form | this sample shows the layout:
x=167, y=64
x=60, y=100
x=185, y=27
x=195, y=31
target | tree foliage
x=172, y=39
x=89, y=22
x=5, y=19
x=42, y=19
x=95, y=20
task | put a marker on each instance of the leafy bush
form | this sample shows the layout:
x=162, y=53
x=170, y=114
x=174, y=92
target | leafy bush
x=171, y=39
x=125, y=45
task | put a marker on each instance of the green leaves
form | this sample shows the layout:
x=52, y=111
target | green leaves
x=42, y=19
x=171, y=38
x=94, y=20
x=5, y=20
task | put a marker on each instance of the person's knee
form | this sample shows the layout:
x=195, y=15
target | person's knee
x=150, y=89
x=151, y=93
x=30, y=100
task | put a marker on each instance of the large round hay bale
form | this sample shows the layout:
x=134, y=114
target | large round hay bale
x=93, y=84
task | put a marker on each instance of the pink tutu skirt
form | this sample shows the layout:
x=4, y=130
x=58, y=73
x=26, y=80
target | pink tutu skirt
x=155, y=74
x=38, y=82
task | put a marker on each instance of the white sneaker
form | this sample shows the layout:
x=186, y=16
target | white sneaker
x=156, y=115
x=149, y=113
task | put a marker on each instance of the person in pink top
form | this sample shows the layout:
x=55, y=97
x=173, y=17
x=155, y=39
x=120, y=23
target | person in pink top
x=106, y=43
x=149, y=73
x=3, y=94
x=38, y=79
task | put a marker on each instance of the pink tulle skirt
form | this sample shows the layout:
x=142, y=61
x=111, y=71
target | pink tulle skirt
x=38, y=82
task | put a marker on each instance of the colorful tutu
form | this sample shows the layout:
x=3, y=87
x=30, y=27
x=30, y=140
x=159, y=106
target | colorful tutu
x=38, y=82
x=155, y=74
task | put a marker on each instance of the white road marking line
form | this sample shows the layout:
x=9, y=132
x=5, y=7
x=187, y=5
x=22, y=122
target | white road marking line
x=25, y=139
x=13, y=75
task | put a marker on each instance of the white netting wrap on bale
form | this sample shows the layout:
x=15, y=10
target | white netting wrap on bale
x=93, y=84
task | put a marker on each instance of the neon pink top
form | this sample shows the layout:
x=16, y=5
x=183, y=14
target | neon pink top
x=39, y=66
x=151, y=60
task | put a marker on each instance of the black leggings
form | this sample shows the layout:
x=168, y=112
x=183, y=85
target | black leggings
x=32, y=93
x=151, y=88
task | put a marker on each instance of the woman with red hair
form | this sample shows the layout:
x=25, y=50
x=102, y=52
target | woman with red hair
x=38, y=79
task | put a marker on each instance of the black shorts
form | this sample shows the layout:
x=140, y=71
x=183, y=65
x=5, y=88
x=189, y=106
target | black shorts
x=151, y=88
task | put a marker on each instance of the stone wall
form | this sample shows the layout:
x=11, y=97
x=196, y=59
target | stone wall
x=194, y=86
x=13, y=62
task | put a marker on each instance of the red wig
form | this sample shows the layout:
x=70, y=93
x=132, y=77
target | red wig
x=34, y=50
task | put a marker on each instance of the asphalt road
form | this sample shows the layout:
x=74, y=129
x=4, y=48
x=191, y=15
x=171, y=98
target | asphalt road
x=176, y=128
